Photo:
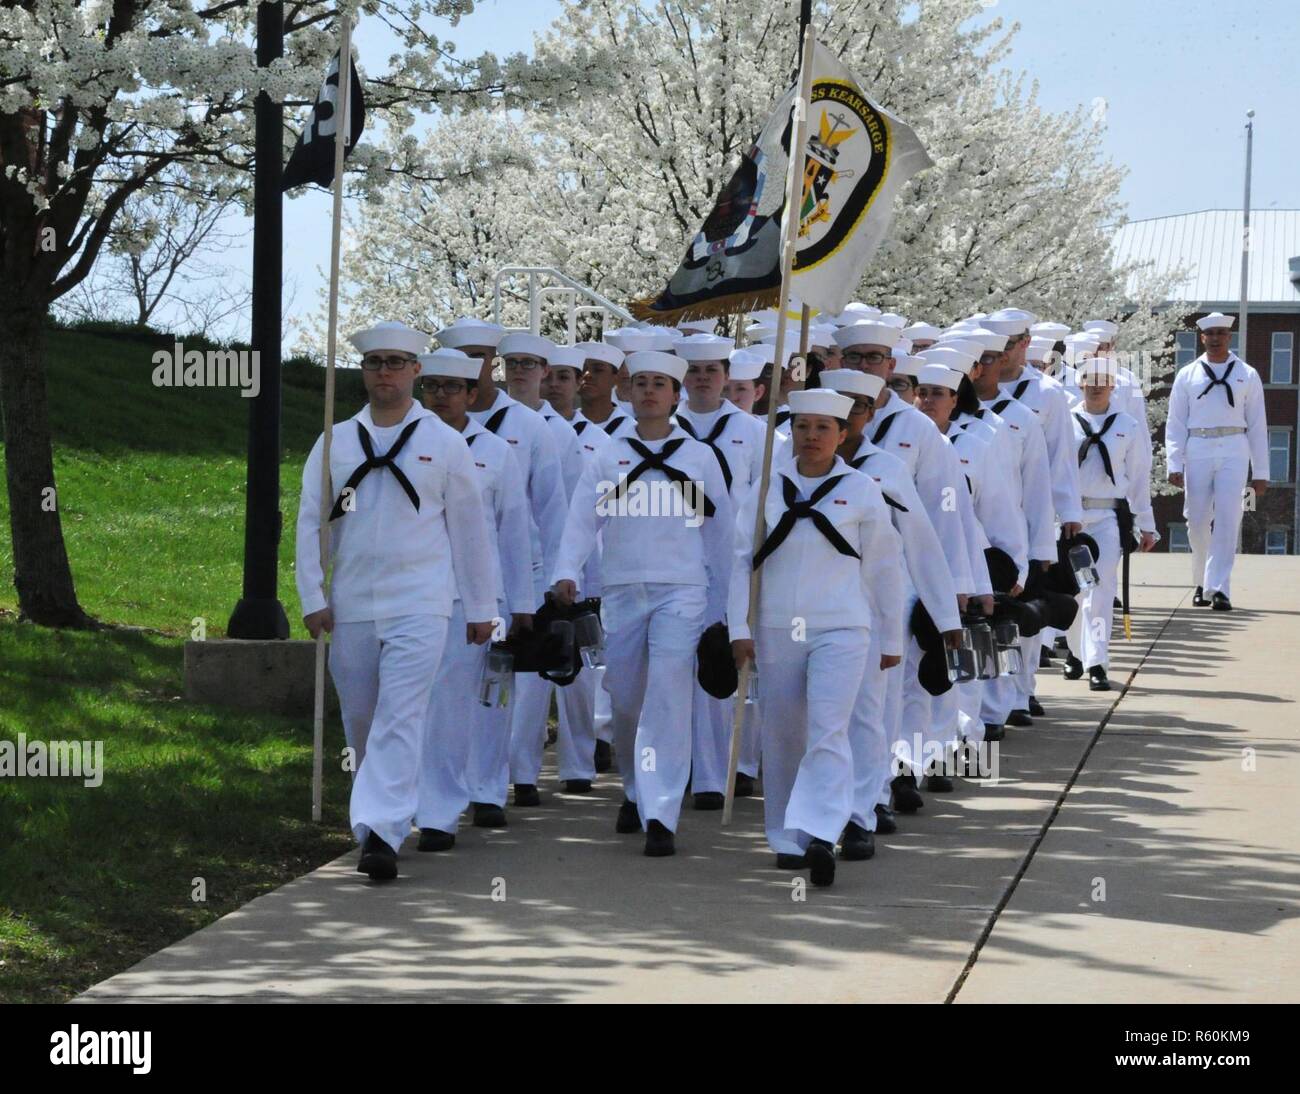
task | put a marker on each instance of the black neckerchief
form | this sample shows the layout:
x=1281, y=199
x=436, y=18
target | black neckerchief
x=652, y=461
x=494, y=422
x=578, y=427
x=883, y=428
x=714, y=434
x=796, y=510
x=1216, y=381
x=614, y=423
x=782, y=416
x=372, y=461
x=857, y=462
x=1092, y=437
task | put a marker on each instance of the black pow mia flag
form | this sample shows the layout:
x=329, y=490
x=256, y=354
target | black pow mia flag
x=313, y=155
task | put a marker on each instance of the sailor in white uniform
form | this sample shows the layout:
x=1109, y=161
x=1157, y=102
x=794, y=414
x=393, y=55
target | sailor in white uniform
x=832, y=574
x=1115, y=476
x=736, y=439
x=877, y=713
x=744, y=386
x=658, y=502
x=406, y=533
x=1215, y=437
x=447, y=381
x=900, y=429
x=533, y=442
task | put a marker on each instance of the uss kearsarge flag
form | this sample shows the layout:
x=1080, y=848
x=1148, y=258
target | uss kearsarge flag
x=313, y=156
x=857, y=157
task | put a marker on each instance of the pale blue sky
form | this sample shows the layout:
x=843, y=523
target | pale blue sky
x=1177, y=77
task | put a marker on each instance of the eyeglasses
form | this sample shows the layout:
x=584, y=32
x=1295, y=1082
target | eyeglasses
x=394, y=364
x=861, y=406
x=522, y=364
x=989, y=358
x=445, y=387
x=875, y=357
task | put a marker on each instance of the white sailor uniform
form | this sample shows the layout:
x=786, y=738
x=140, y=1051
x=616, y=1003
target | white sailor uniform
x=1114, y=463
x=664, y=569
x=456, y=717
x=1215, y=432
x=396, y=570
x=829, y=580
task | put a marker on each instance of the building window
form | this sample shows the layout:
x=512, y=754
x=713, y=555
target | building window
x=1184, y=348
x=1232, y=343
x=1279, y=455
x=1275, y=541
x=1279, y=365
x=1178, y=539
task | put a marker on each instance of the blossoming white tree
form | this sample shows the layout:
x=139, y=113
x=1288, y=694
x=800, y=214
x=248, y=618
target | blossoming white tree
x=1020, y=207
x=99, y=98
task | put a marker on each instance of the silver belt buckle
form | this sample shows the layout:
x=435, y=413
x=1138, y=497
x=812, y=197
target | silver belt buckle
x=1100, y=503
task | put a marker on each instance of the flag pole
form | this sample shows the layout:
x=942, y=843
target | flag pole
x=341, y=134
x=794, y=177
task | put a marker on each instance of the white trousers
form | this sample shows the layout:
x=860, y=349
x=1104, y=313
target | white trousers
x=384, y=670
x=1000, y=697
x=868, y=739
x=487, y=767
x=808, y=689
x=1089, y=634
x=651, y=631
x=575, y=738
x=932, y=721
x=602, y=710
x=451, y=723
x=1029, y=649
x=1213, y=494
x=710, y=739
x=751, y=748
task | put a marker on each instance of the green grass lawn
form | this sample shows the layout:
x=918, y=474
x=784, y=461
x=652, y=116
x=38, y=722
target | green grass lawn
x=151, y=489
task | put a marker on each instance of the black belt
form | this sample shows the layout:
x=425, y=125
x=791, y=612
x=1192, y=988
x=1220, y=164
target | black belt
x=372, y=461
x=796, y=510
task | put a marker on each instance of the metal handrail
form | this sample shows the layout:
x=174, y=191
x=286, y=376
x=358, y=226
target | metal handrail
x=568, y=287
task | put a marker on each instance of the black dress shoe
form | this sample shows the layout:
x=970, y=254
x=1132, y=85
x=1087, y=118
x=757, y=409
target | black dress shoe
x=1060, y=642
x=1198, y=598
x=857, y=843
x=1117, y=604
x=709, y=800
x=791, y=862
x=885, y=823
x=1019, y=718
x=377, y=859
x=1073, y=668
x=994, y=732
x=744, y=785
x=434, y=839
x=1220, y=603
x=939, y=784
x=526, y=794
x=1097, y=680
x=577, y=786
x=629, y=820
x=604, y=756
x=659, y=841
x=907, y=799
x=1044, y=658
x=1036, y=708
x=821, y=861
x=487, y=815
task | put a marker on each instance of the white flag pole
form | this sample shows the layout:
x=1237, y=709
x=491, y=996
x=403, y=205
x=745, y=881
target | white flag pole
x=793, y=192
x=342, y=131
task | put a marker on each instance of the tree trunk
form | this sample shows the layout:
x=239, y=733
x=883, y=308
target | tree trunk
x=42, y=575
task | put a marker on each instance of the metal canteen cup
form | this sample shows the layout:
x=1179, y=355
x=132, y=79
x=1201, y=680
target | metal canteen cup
x=986, y=650
x=1085, y=573
x=961, y=661
x=1010, y=658
x=497, y=677
x=590, y=638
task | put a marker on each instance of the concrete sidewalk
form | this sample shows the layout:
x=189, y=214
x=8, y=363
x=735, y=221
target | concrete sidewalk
x=1199, y=858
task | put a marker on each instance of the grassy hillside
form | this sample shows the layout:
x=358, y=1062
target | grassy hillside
x=151, y=482
x=151, y=488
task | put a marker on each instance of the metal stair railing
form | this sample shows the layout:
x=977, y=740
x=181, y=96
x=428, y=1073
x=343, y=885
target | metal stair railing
x=568, y=289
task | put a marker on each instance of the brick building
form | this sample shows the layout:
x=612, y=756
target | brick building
x=1208, y=244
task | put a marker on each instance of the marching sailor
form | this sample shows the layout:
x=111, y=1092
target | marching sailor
x=737, y=440
x=448, y=378
x=600, y=368
x=533, y=443
x=877, y=713
x=1215, y=432
x=744, y=388
x=1115, y=477
x=831, y=576
x=899, y=428
x=406, y=533
x=658, y=502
